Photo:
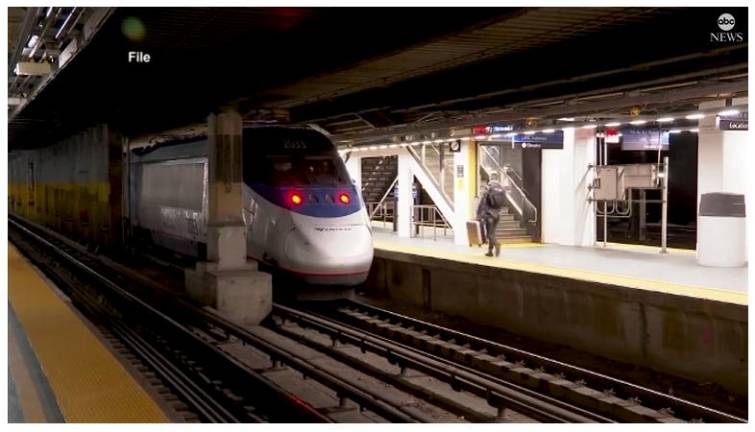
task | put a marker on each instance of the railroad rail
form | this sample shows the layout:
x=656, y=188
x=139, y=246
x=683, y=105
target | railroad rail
x=605, y=395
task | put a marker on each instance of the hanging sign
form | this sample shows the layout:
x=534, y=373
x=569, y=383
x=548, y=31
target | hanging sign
x=736, y=122
x=546, y=141
x=638, y=139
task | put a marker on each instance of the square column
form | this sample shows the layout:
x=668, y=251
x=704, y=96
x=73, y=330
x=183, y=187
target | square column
x=405, y=183
x=227, y=281
x=566, y=216
x=465, y=186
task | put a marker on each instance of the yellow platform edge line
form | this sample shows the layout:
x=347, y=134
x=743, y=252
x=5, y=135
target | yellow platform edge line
x=89, y=383
x=708, y=293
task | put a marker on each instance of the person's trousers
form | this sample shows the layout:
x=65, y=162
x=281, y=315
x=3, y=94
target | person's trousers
x=491, y=223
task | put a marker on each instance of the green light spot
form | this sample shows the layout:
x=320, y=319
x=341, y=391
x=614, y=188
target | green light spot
x=133, y=28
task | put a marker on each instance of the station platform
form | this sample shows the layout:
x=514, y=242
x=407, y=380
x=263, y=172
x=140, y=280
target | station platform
x=632, y=266
x=60, y=369
x=626, y=303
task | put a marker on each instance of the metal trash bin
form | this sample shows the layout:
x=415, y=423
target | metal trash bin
x=721, y=230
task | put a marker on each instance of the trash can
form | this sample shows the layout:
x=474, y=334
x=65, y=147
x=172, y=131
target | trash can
x=721, y=230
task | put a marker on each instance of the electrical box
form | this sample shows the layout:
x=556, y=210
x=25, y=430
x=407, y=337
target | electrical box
x=639, y=176
x=606, y=183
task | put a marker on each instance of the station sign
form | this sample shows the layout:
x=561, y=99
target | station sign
x=735, y=122
x=545, y=141
x=501, y=128
x=638, y=139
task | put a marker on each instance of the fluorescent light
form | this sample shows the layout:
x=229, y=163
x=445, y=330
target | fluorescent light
x=427, y=142
x=665, y=120
x=549, y=130
x=404, y=144
x=567, y=129
x=393, y=145
x=695, y=116
x=589, y=126
x=466, y=138
x=529, y=132
x=568, y=119
x=511, y=134
x=372, y=148
x=438, y=141
x=729, y=112
x=494, y=136
x=384, y=146
x=675, y=131
x=695, y=130
x=613, y=124
x=637, y=122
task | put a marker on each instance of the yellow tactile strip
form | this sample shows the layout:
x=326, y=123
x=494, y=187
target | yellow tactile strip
x=89, y=383
x=606, y=278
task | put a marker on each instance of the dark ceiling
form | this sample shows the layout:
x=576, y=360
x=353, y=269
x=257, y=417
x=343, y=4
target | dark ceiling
x=388, y=66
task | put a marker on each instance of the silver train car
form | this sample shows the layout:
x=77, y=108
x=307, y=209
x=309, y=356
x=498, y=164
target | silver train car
x=304, y=215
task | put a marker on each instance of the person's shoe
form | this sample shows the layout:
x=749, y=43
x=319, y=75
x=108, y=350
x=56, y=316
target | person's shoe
x=497, y=250
x=489, y=254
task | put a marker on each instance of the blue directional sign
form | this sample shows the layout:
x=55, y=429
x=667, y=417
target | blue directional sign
x=546, y=141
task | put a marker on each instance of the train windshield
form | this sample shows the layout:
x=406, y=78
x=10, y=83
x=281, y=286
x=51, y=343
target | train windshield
x=292, y=157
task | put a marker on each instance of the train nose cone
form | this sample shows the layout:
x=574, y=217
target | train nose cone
x=334, y=251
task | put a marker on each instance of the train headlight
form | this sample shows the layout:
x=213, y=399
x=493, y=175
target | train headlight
x=344, y=198
x=295, y=198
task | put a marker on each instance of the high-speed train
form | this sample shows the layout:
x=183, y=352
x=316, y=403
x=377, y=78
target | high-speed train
x=304, y=215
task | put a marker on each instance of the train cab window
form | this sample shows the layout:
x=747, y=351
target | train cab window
x=285, y=157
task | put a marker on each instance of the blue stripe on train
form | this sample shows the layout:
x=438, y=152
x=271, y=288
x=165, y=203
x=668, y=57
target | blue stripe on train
x=315, y=202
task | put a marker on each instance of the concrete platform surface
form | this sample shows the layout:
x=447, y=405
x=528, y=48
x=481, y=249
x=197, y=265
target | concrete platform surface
x=631, y=266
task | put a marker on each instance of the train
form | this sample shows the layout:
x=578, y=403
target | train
x=304, y=216
x=303, y=213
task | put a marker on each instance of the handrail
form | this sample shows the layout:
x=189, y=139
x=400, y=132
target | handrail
x=385, y=195
x=504, y=171
x=434, y=211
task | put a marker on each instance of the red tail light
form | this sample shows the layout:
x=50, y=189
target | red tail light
x=344, y=198
x=295, y=198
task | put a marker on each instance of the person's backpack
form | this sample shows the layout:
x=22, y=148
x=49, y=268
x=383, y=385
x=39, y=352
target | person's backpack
x=496, y=196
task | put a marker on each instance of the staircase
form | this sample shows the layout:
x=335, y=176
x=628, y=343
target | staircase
x=432, y=163
x=509, y=229
x=377, y=175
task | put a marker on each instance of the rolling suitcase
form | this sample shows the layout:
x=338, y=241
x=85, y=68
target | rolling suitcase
x=474, y=233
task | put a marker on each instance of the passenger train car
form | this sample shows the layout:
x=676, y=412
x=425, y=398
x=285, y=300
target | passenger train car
x=304, y=215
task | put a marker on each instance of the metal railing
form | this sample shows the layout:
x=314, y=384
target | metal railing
x=424, y=215
x=384, y=211
x=514, y=193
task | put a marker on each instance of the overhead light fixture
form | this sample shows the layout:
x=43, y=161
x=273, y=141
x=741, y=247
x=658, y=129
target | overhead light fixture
x=589, y=126
x=548, y=130
x=531, y=132
x=695, y=116
x=372, y=148
x=637, y=122
x=567, y=119
x=384, y=146
x=480, y=137
x=729, y=112
x=695, y=130
x=665, y=120
x=393, y=146
x=494, y=136
x=675, y=131
x=613, y=124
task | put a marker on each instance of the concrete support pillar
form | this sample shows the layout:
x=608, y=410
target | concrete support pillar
x=566, y=216
x=465, y=178
x=722, y=165
x=227, y=281
x=405, y=181
x=723, y=159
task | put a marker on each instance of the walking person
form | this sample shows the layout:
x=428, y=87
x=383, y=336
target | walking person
x=488, y=212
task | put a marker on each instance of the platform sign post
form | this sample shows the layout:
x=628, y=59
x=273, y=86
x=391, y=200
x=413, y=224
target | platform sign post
x=664, y=205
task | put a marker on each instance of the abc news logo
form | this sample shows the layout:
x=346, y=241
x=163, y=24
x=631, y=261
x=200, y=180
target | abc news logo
x=726, y=23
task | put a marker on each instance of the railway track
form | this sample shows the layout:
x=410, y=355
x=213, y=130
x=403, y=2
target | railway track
x=372, y=364
x=601, y=394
